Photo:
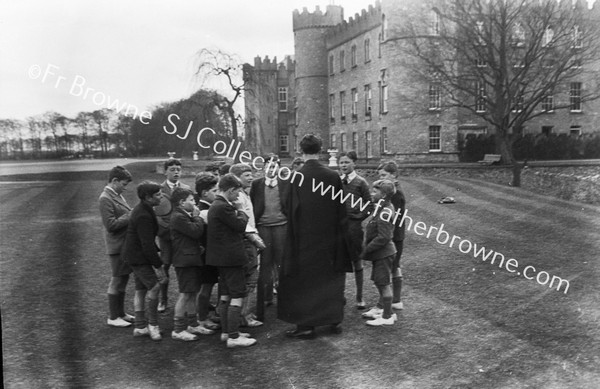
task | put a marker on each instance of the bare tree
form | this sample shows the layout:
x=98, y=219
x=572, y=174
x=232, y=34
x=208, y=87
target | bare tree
x=11, y=138
x=216, y=63
x=504, y=62
x=84, y=121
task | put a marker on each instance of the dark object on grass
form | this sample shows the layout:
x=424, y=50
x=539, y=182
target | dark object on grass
x=446, y=200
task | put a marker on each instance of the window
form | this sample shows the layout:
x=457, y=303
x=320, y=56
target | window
x=548, y=103
x=331, y=65
x=343, y=142
x=575, y=130
x=480, y=105
x=333, y=141
x=343, y=107
x=480, y=63
x=355, y=141
x=353, y=56
x=435, y=23
x=434, y=138
x=367, y=50
x=283, y=98
x=354, y=104
x=518, y=35
x=575, y=96
x=518, y=103
x=546, y=130
x=435, y=102
x=368, y=99
x=577, y=37
x=519, y=57
x=332, y=108
x=384, y=140
x=547, y=37
x=369, y=143
x=384, y=98
x=283, y=143
x=480, y=33
x=342, y=61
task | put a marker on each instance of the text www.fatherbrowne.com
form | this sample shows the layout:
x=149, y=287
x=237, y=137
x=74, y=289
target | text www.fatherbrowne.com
x=442, y=237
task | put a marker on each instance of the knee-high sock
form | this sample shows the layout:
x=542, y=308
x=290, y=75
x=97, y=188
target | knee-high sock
x=140, y=319
x=223, y=309
x=233, y=320
x=121, y=304
x=397, y=288
x=113, y=306
x=153, y=312
x=359, y=278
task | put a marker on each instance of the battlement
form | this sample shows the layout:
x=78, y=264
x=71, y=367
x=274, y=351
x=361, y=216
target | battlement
x=303, y=20
x=267, y=64
x=365, y=21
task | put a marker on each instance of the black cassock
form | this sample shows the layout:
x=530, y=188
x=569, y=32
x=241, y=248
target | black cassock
x=316, y=257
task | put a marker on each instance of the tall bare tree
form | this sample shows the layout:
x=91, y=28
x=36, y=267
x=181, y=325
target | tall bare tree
x=217, y=63
x=504, y=62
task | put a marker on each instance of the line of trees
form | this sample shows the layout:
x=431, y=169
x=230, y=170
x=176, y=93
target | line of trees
x=108, y=133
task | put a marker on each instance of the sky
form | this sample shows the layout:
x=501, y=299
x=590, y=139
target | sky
x=141, y=52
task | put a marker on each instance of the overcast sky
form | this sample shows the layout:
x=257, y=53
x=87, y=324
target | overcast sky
x=137, y=51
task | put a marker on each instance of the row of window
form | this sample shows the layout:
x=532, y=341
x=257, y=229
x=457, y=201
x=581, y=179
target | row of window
x=353, y=56
x=480, y=103
x=434, y=141
x=368, y=103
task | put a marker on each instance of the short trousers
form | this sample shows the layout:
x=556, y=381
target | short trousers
x=381, y=274
x=232, y=281
x=209, y=274
x=188, y=279
x=145, y=277
x=251, y=267
x=118, y=267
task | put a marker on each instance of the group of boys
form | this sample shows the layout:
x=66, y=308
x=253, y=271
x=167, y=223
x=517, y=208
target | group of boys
x=214, y=236
x=209, y=237
x=374, y=238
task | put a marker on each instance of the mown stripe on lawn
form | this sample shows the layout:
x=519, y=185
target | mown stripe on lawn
x=48, y=349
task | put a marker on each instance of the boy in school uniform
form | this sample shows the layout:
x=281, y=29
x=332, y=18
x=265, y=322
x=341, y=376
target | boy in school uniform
x=359, y=188
x=389, y=170
x=115, y=211
x=172, y=168
x=252, y=240
x=141, y=253
x=268, y=195
x=206, y=193
x=226, y=251
x=380, y=249
x=187, y=229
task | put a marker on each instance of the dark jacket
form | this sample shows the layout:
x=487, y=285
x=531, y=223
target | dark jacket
x=257, y=196
x=164, y=209
x=186, y=234
x=226, y=226
x=379, y=234
x=139, y=247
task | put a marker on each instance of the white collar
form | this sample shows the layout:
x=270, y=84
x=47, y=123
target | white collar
x=350, y=176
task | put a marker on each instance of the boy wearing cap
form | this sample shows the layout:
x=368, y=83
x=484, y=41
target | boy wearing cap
x=380, y=249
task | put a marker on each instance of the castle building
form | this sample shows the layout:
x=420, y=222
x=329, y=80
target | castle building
x=346, y=84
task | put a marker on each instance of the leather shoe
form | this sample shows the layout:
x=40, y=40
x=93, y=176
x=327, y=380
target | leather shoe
x=301, y=333
x=336, y=328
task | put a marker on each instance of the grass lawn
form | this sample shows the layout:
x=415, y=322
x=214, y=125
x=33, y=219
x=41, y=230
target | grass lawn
x=466, y=324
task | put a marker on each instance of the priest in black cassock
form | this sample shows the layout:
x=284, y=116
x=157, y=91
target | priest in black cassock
x=316, y=258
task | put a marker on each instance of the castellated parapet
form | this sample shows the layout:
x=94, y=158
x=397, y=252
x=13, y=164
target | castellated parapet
x=332, y=16
x=355, y=26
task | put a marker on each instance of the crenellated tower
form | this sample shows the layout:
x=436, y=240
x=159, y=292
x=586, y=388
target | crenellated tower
x=310, y=30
